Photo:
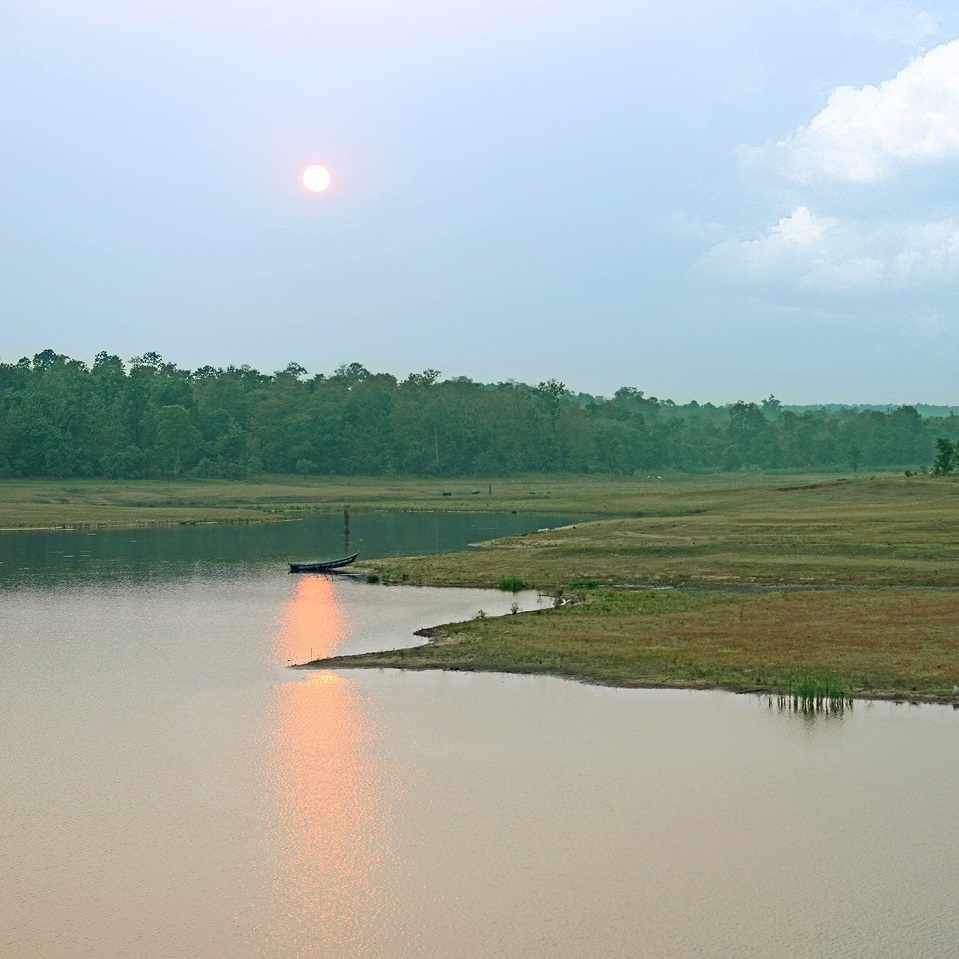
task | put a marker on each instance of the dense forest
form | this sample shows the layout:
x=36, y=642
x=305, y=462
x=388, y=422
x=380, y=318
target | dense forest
x=61, y=417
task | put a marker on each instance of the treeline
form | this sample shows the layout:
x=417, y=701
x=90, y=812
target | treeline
x=61, y=417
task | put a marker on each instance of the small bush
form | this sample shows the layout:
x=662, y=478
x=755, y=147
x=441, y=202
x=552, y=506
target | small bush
x=510, y=584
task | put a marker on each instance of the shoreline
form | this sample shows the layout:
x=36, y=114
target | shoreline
x=742, y=640
x=346, y=662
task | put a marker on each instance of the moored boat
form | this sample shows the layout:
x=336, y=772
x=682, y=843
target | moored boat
x=323, y=566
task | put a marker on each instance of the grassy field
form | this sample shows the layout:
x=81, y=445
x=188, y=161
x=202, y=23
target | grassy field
x=891, y=530
x=78, y=503
x=884, y=643
x=876, y=561
x=716, y=537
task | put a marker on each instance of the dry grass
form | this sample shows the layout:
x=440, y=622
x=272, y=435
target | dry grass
x=744, y=532
x=59, y=503
x=883, y=531
x=42, y=503
x=894, y=643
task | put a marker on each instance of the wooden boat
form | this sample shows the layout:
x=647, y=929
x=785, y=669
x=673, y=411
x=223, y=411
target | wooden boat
x=324, y=566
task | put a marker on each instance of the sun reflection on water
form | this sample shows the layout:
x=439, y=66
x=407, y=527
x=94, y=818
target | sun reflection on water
x=329, y=865
x=314, y=622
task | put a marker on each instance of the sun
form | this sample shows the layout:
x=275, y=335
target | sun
x=316, y=178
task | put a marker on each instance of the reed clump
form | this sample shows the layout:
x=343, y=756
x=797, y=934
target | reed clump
x=808, y=693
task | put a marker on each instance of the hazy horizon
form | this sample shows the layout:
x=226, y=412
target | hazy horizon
x=715, y=201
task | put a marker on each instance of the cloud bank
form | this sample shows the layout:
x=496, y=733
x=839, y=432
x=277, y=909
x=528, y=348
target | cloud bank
x=883, y=140
x=865, y=135
x=827, y=255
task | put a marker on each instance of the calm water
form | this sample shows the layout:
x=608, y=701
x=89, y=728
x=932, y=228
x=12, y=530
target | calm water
x=53, y=556
x=169, y=789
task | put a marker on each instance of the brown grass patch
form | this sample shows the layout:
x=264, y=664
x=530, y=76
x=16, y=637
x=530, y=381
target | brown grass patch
x=893, y=643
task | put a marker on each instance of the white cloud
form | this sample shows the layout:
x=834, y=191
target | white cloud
x=826, y=255
x=797, y=237
x=896, y=21
x=863, y=135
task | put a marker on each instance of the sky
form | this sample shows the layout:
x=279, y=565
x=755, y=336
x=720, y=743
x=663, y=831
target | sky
x=707, y=199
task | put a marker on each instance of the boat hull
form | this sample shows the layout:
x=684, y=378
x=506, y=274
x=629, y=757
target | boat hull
x=323, y=567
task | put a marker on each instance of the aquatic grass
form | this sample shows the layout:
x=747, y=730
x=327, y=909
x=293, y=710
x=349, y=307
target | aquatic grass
x=808, y=693
x=510, y=584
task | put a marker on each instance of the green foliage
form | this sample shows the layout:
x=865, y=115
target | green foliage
x=178, y=441
x=808, y=693
x=149, y=418
x=510, y=584
x=946, y=454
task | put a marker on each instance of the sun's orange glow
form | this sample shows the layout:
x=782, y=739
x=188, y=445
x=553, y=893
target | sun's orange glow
x=314, y=622
x=332, y=819
x=317, y=178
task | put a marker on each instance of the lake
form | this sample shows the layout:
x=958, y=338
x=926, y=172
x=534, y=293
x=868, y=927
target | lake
x=168, y=788
x=31, y=557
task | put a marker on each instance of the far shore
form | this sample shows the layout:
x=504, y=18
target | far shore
x=96, y=503
x=101, y=503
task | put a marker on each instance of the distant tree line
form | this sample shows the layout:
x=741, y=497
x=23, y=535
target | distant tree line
x=61, y=417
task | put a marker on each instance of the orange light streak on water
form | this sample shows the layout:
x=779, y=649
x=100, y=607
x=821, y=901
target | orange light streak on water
x=313, y=621
x=330, y=821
